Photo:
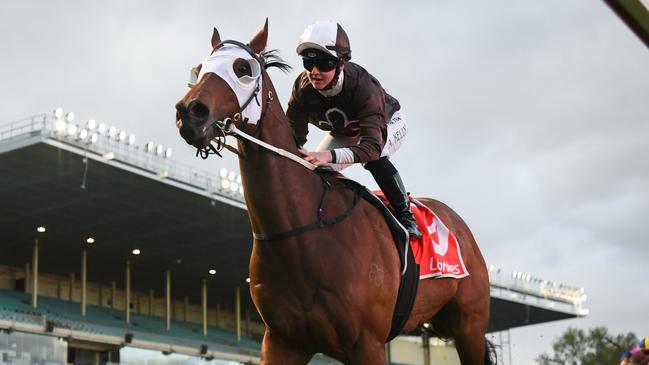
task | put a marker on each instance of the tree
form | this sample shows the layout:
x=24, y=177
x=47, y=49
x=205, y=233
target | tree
x=597, y=347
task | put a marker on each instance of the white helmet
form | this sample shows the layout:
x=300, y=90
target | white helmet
x=328, y=37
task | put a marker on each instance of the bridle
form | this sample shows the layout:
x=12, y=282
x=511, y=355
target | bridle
x=227, y=126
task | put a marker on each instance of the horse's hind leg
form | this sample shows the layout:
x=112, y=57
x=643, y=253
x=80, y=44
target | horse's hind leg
x=275, y=351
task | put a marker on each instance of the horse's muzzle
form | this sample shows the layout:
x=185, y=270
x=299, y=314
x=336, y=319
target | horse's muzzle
x=192, y=120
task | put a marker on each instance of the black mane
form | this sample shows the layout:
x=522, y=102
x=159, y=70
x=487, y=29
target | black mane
x=271, y=58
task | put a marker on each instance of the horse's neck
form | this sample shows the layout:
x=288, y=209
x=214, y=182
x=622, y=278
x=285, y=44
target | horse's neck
x=280, y=194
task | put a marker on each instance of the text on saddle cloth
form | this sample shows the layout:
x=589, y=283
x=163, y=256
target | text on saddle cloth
x=438, y=251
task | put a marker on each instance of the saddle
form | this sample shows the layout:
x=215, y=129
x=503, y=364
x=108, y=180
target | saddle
x=409, y=268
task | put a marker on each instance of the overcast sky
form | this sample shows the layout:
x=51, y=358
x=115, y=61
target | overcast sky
x=530, y=118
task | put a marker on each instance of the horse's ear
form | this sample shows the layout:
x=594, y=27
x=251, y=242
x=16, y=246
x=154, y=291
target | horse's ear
x=258, y=42
x=216, y=38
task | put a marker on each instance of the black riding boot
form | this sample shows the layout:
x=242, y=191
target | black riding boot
x=387, y=176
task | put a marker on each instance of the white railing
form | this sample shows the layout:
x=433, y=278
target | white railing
x=521, y=286
x=106, y=142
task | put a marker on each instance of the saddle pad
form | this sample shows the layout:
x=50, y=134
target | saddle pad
x=437, y=252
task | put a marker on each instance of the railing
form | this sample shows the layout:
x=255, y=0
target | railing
x=525, y=287
x=112, y=144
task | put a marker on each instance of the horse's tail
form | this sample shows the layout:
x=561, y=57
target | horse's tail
x=490, y=357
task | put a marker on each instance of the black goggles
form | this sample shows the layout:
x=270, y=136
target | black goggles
x=323, y=64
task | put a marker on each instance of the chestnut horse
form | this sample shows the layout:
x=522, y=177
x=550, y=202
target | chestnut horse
x=328, y=288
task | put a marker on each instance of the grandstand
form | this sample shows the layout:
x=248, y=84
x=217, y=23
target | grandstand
x=142, y=256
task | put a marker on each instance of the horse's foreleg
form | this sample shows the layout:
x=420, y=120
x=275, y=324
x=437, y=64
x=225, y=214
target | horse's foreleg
x=367, y=351
x=275, y=351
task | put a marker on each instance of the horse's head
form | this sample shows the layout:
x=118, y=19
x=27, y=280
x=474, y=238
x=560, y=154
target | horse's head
x=225, y=89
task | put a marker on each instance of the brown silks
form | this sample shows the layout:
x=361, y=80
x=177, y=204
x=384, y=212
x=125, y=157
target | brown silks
x=331, y=289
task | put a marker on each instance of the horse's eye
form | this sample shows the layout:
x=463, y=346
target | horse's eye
x=241, y=68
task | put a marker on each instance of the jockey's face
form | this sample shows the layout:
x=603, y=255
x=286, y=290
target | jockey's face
x=320, y=79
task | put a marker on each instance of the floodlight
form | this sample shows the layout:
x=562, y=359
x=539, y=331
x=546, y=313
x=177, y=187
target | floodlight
x=149, y=146
x=231, y=175
x=40, y=229
x=223, y=173
x=112, y=132
x=94, y=138
x=101, y=128
x=225, y=184
x=248, y=280
x=212, y=271
x=238, y=179
x=241, y=190
x=131, y=138
x=91, y=124
x=159, y=149
x=136, y=251
x=72, y=129
x=60, y=125
x=121, y=136
x=234, y=187
x=69, y=117
x=90, y=240
x=168, y=153
x=58, y=113
x=83, y=134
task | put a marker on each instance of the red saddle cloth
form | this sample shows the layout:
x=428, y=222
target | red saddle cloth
x=437, y=252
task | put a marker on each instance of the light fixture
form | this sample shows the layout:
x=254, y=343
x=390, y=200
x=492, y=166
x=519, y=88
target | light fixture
x=101, y=128
x=159, y=149
x=238, y=179
x=58, y=113
x=112, y=132
x=223, y=173
x=131, y=138
x=234, y=187
x=94, y=138
x=91, y=124
x=241, y=190
x=225, y=184
x=60, y=125
x=69, y=117
x=90, y=240
x=149, y=146
x=136, y=251
x=232, y=175
x=168, y=153
x=212, y=271
x=40, y=229
x=83, y=134
x=248, y=280
x=72, y=129
x=121, y=136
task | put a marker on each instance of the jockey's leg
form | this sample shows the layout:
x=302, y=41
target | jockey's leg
x=388, y=179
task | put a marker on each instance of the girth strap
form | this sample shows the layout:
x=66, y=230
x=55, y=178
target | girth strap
x=320, y=221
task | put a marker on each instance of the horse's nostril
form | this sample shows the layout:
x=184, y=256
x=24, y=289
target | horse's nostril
x=198, y=111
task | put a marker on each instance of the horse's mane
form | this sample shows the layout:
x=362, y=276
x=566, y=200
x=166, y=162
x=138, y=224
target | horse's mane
x=271, y=58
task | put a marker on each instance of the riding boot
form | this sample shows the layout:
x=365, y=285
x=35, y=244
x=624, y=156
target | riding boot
x=389, y=180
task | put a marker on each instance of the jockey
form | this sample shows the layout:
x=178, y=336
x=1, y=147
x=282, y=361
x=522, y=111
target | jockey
x=364, y=122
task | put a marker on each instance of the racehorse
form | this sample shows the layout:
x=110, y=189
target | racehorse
x=327, y=287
